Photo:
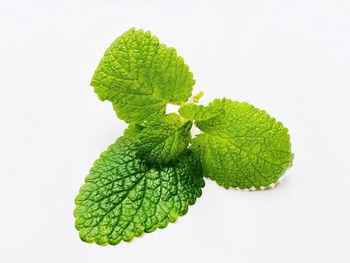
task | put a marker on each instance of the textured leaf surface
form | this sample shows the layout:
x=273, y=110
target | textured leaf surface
x=243, y=146
x=140, y=76
x=164, y=139
x=122, y=197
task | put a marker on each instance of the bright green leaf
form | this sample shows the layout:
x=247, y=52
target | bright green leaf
x=164, y=139
x=140, y=76
x=196, y=112
x=243, y=146
x=123, y=197
x=133, y=130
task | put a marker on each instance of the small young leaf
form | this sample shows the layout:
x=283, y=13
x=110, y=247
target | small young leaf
x=123, y=197
x=133, y=130
x=198, y=112
x=164, y=139
x=242, y=147
x=140, y=76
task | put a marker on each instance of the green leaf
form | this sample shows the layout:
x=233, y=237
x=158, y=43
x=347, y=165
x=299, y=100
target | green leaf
x=140, y=76
x=164, y=139
x=196, y=112
x=133, y=130
x=123, y=197
x=243, y=146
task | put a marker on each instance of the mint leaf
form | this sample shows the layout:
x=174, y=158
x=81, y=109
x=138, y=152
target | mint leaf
x=164, y=139
x=133, y=130
x=198, y=112
x=154, y=172
x=242, y=147
x=123, y=197
x=140, y=76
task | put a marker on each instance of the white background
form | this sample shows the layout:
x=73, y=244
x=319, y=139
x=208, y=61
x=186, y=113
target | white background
x=290, y=57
